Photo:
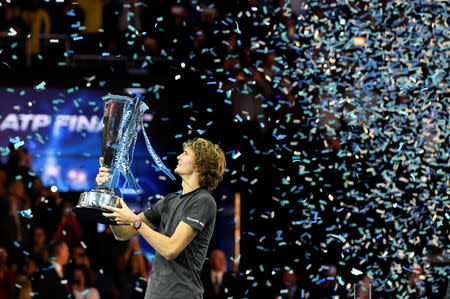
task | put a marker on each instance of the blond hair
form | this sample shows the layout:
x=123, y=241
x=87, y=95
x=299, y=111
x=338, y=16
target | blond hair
x=209, y=160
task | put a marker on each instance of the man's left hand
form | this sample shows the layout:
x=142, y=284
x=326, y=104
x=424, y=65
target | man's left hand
x=121, y=215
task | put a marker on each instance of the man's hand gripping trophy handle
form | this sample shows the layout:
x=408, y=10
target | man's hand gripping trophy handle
x=103, y=173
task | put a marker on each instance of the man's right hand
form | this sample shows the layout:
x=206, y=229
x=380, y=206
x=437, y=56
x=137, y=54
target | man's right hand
x=103, y=173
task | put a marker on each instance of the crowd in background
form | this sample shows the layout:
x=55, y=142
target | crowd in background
x=49, y=256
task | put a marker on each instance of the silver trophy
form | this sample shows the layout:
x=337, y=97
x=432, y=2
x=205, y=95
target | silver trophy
x=121, y=118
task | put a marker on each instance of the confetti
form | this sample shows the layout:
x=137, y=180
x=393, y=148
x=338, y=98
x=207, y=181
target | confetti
x=17, y=142
x=40, y=86
x=26, y=213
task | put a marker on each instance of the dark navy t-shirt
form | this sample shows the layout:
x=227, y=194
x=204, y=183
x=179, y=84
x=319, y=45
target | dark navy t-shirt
x=180, y=277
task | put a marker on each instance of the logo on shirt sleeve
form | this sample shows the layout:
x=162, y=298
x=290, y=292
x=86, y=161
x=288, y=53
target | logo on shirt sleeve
x=195, y=220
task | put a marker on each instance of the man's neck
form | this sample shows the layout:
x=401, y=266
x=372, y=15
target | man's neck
x=189, y=184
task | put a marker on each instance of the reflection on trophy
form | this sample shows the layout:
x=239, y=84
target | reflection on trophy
x=121, y=118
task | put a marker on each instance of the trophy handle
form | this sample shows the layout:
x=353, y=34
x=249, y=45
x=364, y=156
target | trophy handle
x=104, y=185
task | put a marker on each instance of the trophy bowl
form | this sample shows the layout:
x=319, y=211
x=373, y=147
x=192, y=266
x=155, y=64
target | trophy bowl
x=90, y=209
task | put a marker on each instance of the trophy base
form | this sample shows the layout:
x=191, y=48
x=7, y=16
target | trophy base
x=93, y=214
x=90, y=209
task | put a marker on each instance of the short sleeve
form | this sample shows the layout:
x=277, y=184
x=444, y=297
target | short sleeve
x=153, y=214
x=200, y=212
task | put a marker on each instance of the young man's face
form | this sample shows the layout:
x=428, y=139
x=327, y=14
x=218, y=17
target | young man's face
x=186, y=162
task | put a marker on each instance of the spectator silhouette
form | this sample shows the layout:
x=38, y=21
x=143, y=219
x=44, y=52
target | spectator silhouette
x=217, y=282
x=4, y=210
x=80, y=258
x=51, y=280
x=364, y=289
x=134, y=271
x=81, y=288
x=29, y=266
x=12, y=19
x=328, y=288
x=23, y=288
x=7, y=276
x=39, y=248
x=68, y=229
x=290, y=282
x=17, y=200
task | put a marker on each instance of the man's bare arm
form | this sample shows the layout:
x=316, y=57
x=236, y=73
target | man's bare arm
x=126, y=232
x=169, y=247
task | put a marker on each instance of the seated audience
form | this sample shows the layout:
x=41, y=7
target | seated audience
x=81, y=288
x=51, y=280
x=7, y=276
x=217, y=282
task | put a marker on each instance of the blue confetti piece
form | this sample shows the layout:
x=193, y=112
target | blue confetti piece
x=236, y=155
x=40, y=86
x=407, y=269
x=26, y=213
x=17, y=142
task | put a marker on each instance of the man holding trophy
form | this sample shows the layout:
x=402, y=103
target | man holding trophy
x=185, y=220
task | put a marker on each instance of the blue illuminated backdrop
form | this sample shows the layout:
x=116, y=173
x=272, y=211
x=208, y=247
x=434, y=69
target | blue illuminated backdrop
x=62, y=130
